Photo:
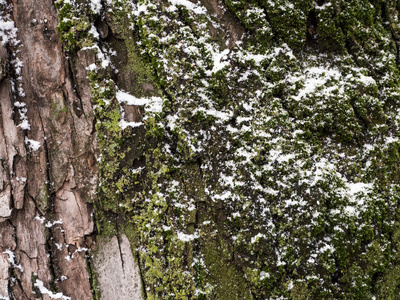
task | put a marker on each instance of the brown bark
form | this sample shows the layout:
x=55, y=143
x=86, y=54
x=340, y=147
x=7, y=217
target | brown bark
x=45, y=195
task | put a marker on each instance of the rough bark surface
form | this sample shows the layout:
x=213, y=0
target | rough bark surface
x=46, y=192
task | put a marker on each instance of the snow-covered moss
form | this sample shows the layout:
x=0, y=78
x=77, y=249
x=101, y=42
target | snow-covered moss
x=276, y=162
x=75, y=23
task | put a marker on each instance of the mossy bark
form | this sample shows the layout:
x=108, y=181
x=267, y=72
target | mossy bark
x=271, y=169
x=245, y=149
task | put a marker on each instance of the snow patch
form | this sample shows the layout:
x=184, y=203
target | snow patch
x=187, y=237
x=24, y=125
x=189, y=6
x=123, y=124
x=7, y=29
x=93, y=31
x=264, y=275
x=51, y=224
x=355, y=188
x=316, y=77
x=32, y=144
x=151, y=104
x=11, y=259
x=257, y=237
x=44, y=291
x=95, y=6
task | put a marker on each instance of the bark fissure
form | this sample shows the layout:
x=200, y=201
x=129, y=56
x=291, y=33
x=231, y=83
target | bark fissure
x=142, y=280
x=50, y=204
x=75, y=89
x=119, y=247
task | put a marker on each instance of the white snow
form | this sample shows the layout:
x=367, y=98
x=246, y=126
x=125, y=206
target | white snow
x=95, y=6
x=51, y=224
x=19, y=104
x=91, y=67
x=7, y=29
x=264, y=275
x=137, y=170
x=350, y=210
x=218, y=114
x=93, y=31
x=41, y=219
x=219, y=61
x=123, y=124
x=290, y=285
x=367, y=80
x=325, y=248
x=257, y=58
x=186, y=237
x=24, y=124
x=355, y=188
x=151, y=104
x=316, y=77
x=323, y=6
x=18, y=64
x=189, y=6
x=11, y=259
x=257, y=237
x=154, y=105
x=32, y=144
x=123, y=97
x=390, y=140
x=39, y=284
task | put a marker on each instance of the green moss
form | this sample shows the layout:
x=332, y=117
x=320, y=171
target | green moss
x=254, y=19
x=74, y=24
x=94, y=284
x=330, y=34
x=42, y=199
x=228, y=281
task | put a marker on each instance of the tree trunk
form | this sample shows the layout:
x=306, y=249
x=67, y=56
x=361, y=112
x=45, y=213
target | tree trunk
x=176, y=149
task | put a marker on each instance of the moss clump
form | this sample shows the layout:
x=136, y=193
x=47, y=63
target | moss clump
x=75, y=22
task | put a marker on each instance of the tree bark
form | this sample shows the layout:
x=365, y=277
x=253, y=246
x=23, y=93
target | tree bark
x=176, y=149
x=49, y=189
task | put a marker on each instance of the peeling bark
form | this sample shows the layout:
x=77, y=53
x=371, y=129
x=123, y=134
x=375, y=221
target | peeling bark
x=12, y=152
x=45, y=193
